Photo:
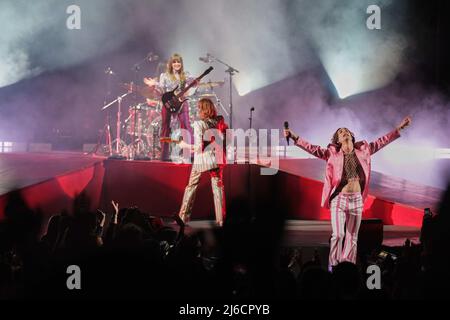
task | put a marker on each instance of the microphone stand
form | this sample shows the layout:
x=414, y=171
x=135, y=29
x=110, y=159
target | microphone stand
x=249, y=176
x=231, y=72
x=106, y=131
x=251, y=118
x=118, y=141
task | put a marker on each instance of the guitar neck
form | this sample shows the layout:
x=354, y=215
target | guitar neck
x=182, y=92
x=195, y=81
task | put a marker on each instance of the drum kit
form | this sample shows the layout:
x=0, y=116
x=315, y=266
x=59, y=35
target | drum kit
x=142, y=125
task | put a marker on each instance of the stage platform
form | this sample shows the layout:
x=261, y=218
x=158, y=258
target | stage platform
x=316, y=234
x=50, y=181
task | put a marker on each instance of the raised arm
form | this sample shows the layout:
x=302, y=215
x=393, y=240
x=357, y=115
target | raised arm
x=155, y=83
x=381, y=142
x=315, y=150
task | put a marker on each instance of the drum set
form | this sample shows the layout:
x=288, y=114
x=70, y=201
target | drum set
x=138, y=135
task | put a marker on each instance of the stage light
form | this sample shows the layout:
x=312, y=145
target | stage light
x=356, y=72
x=346, y=82
x=357, y=59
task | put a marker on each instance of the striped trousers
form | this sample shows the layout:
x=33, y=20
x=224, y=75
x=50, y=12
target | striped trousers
x=346, y=211
x=218, y=194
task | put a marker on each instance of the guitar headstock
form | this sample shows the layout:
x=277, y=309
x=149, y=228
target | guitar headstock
x=206, y=72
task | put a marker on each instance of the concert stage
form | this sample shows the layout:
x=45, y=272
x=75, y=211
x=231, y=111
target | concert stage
x=50, y=181
x=316, y=234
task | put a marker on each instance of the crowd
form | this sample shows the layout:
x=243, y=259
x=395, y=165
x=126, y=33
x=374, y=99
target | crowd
x=127, y=253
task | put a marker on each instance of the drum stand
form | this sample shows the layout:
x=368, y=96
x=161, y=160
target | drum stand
x=155, y=143
x=137, y=147
x=105, y=133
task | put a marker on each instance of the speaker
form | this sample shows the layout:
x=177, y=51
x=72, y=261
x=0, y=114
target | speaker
x=370, y=236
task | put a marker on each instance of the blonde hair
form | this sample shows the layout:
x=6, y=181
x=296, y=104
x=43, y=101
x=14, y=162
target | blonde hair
x=169, y=69
x=207, y=107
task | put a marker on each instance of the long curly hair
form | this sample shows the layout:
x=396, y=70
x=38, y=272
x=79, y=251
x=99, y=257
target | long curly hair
x=335, y=138
x=207, y=107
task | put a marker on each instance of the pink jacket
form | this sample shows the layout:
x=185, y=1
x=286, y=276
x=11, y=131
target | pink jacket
x=335, y=161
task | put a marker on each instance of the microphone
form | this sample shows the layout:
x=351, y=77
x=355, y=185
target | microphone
x=206, y=59
x=286, y=127
x=252, y=109
x=152, y=57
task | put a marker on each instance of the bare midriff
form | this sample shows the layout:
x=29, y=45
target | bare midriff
x=351, y=175
x=352, y=186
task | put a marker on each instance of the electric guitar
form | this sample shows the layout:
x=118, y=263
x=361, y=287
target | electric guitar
x=169, y=140
x=177, y=141
x=172, y=101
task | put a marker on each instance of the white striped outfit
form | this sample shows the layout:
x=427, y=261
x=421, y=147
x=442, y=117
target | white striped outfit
x=205, y=160
x=346, y=211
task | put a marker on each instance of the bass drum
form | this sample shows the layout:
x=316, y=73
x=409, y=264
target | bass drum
x=138, y=119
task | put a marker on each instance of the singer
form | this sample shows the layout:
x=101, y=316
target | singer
x=173, y=77
x=346, y=184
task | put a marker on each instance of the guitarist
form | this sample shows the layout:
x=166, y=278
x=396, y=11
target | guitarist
x=173, y=77
x=209, y=157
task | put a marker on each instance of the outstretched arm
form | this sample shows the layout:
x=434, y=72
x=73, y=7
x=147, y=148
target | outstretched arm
x=381, y=142
x=316, y=151
x=157, y=84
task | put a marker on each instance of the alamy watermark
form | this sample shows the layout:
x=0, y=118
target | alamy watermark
x=373, y=281
x=73, y=281
x=373, y=22
x=73, y=21
x=250, y=146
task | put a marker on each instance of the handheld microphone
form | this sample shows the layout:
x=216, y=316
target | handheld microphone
x=286, y=127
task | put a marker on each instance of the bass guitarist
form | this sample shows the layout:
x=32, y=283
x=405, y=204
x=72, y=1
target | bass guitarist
x=168, y=81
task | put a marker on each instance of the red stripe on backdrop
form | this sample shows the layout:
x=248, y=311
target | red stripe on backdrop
x=57, y=194
x=158, y=188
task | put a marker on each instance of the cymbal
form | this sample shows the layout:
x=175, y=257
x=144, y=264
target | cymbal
x=206, y=95
x=130, y=86
x=149, y=93
x=145, y=91
x=211, y=84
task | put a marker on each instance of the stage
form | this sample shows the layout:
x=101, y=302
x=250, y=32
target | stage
x=316, y=234
x=50, y=181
